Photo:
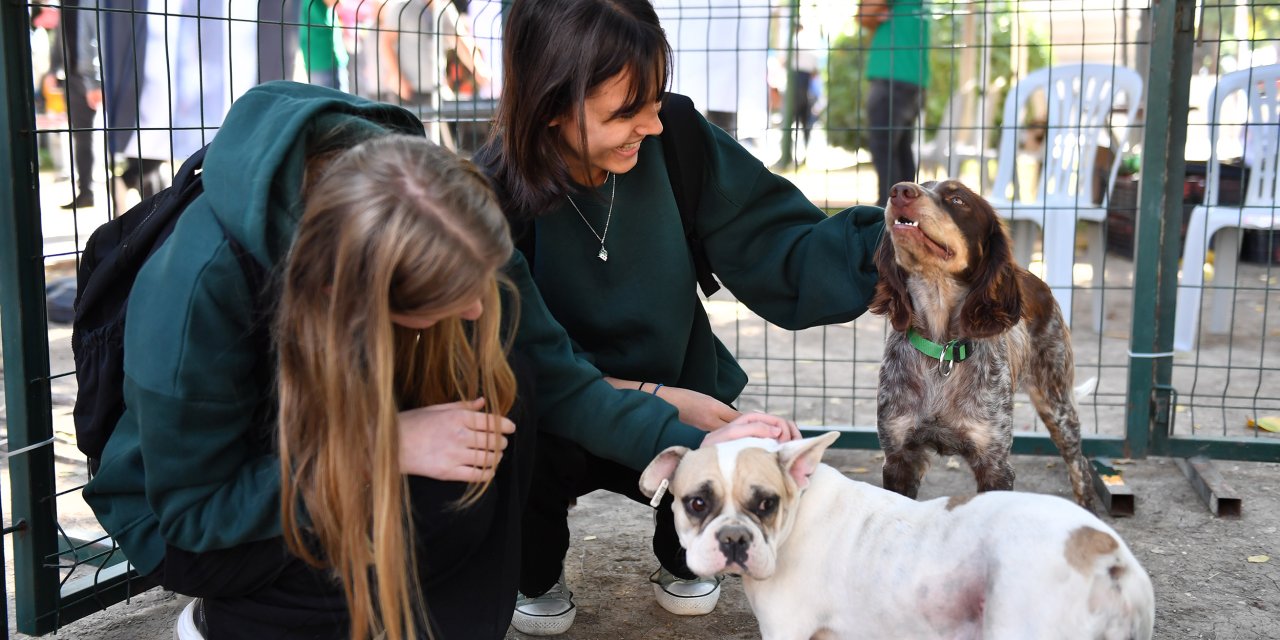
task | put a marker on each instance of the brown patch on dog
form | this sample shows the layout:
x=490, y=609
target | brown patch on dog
x=958, y=501
x=1084, y=545
x=757, y=465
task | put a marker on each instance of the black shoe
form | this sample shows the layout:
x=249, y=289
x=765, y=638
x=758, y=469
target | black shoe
x=82, y=201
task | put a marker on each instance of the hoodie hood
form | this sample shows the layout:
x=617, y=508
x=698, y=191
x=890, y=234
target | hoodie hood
x=253, y=169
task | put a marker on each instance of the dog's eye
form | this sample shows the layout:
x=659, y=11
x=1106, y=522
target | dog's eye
x=957, y=201
x=765, y=506
x=695, y=505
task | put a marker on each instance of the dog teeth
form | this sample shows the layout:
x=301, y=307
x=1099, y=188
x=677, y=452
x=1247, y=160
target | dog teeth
x=910, y=223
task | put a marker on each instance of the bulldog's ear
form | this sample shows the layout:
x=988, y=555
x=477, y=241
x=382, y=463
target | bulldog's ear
x=662, y=468
x=800, y=458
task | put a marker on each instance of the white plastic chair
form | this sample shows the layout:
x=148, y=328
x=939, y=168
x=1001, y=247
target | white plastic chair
x=1081, y=100
x=1261, y=126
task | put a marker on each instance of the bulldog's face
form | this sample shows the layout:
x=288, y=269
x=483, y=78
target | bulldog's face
x=735, y=503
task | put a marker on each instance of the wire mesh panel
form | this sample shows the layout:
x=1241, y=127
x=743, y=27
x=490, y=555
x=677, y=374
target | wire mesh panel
x=1032, y=104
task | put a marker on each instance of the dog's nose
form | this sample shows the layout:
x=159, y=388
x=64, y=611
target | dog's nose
x=734, y=542
x=901, y=194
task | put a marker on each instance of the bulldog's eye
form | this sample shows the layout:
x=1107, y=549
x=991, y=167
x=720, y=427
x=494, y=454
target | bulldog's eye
x=765, y=506
x=695, y=505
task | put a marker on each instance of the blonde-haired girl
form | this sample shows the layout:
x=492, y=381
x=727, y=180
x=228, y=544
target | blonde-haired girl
x=389, y=319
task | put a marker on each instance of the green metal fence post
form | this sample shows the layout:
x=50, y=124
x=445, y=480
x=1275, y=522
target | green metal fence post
x=26, y=343
x=1159, y=220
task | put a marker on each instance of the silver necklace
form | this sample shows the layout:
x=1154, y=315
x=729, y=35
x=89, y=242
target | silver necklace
x=604, y=253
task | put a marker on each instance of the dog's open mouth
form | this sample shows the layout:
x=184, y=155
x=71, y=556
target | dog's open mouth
x=906, y=228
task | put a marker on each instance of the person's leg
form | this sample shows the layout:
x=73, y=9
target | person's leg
x=907, y=100
x=257, y=590
x=469, y=560
x=879, y=136
x=80, y=119
x=559, y=477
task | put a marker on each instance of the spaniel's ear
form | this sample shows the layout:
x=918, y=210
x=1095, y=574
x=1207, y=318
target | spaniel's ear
x=891, y=297
x=994, y=304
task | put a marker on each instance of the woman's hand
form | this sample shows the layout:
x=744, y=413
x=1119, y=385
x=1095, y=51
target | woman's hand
x=452, y=441
x=754, y=425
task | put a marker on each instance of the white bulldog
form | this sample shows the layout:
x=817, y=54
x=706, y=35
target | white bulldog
x=826, y=557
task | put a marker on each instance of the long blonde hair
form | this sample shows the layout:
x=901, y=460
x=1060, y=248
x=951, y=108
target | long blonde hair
x=393, y=225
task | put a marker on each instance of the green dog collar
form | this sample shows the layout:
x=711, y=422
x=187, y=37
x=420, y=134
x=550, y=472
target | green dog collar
x=953, y=351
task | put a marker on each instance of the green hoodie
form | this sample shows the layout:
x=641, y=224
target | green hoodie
x=638, y=316
x=199, y=391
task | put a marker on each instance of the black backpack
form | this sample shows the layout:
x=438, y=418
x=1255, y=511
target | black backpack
x=109, y=265
x=686, y=159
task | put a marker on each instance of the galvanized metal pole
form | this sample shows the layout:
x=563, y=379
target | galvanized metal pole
x=26, y=341
x=1157, y=234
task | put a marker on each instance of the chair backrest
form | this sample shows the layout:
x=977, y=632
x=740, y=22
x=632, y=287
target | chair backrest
x=1261, y=88
x=1081, y=99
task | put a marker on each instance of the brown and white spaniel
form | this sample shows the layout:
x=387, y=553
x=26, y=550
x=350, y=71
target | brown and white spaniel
x=969, y=327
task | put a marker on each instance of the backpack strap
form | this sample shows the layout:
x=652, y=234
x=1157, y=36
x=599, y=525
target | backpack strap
x=686, y=159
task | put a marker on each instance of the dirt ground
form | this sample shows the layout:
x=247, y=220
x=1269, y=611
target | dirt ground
x=1205, y=585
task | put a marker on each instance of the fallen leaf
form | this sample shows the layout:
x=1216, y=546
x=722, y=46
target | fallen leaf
x=1050, y=464
x=1267, y=423
x=589, y=538
x=1123, y=461
x=1112, y=481
x=858, y=470
x=1258, y=559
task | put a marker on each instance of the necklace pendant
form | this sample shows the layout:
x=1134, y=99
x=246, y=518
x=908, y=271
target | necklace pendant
x=603, y=255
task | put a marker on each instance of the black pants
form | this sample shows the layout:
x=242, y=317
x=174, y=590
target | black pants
x=562, y=472
x=468, y=562
x=80, y=118
x=892, y=110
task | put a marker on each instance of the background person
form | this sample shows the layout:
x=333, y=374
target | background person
x=898, y=72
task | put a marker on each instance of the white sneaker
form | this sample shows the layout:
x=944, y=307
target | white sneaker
x=549, y=614
x=695, y=597
x=186, y=628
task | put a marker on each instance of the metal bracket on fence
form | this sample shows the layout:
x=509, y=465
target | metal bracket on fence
x=20, y=525
x=1211, y=486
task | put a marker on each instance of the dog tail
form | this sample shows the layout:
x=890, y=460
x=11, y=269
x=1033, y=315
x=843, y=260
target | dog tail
x=1086, y=389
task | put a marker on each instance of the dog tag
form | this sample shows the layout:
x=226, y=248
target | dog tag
x=657, y=495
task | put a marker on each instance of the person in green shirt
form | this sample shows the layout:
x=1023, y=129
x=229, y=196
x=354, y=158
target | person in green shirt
x=578, y=164
x=898, y=72
x=322, y=56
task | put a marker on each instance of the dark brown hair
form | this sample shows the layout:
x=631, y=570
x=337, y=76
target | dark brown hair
x=555, y=52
